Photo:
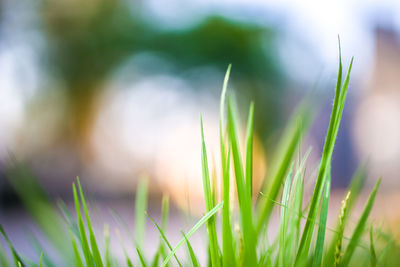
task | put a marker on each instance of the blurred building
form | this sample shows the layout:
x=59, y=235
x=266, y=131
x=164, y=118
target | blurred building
x=377, y=119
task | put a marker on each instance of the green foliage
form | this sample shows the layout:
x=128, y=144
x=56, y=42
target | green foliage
x=244, y=229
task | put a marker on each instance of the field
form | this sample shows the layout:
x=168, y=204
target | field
x=237, y=225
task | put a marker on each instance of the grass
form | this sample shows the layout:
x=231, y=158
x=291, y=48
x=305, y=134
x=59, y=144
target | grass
x=240, y=237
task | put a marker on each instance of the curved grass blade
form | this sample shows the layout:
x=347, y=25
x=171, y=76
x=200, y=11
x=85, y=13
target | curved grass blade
x=203, y=220
x=358, y=231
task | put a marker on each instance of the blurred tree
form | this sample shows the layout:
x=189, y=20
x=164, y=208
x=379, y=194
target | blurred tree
x=88, y=40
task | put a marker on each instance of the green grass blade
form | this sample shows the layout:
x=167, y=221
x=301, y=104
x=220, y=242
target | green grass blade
x=17, y=258
x=3, y=258
x=107, y=252
x=140, y=209
x=286, y=149
x=41, y=260
x=78, y=260
x=284, y=220
x=211, y=225
x=68, y=217
x=193, y=258
x=374, y=259
x=228, y=256
x=203, y=220
x=93, y=243
x=82, y=233
x=337, y=111
x=141, y=257
x=249, y=151
x=164, y=222
x=163, y=237
x=245, y=203
x=319, y=247
x=358, y=231
x=355, y=187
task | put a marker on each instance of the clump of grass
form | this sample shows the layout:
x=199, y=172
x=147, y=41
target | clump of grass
x=301, y=238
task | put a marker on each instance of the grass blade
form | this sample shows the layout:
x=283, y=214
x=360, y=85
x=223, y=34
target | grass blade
x=163, y=237
x=290, y=142
x=141, y=257
x=284, y=219
x=358, y=231
x=211, y=227
x=78, y=260
x=249, y=151
x=93, y=243
x=3, y=259
x=193, y=258
x=319, y=247
x=228, y=256
x=17, y=258
x=140, y=209
x=107, y=252
x=203, y=220
x=336, y=115
x=82, y=233
x=374, y=259
x=245, y=203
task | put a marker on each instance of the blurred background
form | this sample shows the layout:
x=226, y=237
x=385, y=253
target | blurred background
x=112, y=90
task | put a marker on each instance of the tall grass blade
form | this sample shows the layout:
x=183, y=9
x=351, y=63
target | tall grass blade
x=286, y=149
x=140, y=209
x=211, y=225
x=336, y=115
x=358, y=231
x=284, y=220
x=203, y=220
x=78, y=260
x=93, y=243
x=82, y=233
x=245, y=202
x=228, y=256
x=319, y=247
x=374, y=259
x=249, y=151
